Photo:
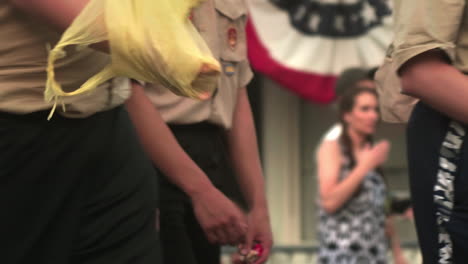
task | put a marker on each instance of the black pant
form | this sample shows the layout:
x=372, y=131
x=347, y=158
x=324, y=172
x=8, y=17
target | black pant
x=183, y=240
x=75, y=191
x=427, y=129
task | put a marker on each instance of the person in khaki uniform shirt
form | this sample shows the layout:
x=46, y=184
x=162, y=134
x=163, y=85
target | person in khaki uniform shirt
x=78, y=188
x=429, y=56
x=218, y=139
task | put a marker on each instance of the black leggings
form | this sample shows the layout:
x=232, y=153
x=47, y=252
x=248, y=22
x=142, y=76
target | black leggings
x=427, y=130
x=75, y=191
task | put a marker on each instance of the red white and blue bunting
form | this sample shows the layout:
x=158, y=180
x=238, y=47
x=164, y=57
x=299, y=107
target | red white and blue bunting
x=304, y=44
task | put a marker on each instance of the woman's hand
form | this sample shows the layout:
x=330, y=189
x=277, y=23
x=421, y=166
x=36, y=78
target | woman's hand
x=399, y=259
x=373, y=156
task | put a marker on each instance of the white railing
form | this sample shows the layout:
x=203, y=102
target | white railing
x=307, y=254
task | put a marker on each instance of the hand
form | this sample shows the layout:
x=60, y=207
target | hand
x=236, y=258
x=408, y=214
x=259, y=231
x=399, y=259
x=373, y=156
x=221, y=220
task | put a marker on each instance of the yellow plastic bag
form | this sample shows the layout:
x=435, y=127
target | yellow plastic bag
x=150, y=40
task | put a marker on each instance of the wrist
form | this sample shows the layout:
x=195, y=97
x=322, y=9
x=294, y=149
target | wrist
x=259, y=211
x=258, y=203
x=196, y=188
x=255, y=197
x=363, y=168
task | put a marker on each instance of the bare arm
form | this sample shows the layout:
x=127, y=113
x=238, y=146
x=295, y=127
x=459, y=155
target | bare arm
x=243, y=150
x=394, y=240
x=333, y=192
x=57, y=13
x=162, y=147
x=221, y=220
x=430, y=78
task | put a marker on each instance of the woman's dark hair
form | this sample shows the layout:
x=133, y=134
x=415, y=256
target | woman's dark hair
x=346, y=105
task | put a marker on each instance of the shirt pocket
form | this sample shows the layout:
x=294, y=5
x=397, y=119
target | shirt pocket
x=232, y=17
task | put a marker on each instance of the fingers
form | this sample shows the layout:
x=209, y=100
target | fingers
x=237, y=259
x=217, y=235
x=221, y=220
x=227, y=231
x=266, y=243
x=236, y=231
x=383, y=148
x=245, y=247
x=208, y=69
x=211, y=236
x=264, y=257
x=240, y=227
x=222, y=236
x=384, y=144
x=230, y=233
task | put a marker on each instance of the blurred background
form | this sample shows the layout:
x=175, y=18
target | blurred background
x=298, y=48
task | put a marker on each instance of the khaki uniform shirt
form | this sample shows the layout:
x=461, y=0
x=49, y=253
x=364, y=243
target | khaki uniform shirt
x=421, y=25
x=221, y=23
x=23, y=62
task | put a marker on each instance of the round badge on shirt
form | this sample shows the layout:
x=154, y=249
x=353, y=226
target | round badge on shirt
x=229, y=68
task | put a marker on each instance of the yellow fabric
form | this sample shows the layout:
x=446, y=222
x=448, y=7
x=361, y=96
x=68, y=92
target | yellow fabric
x=150, y=40
x=214, y=19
